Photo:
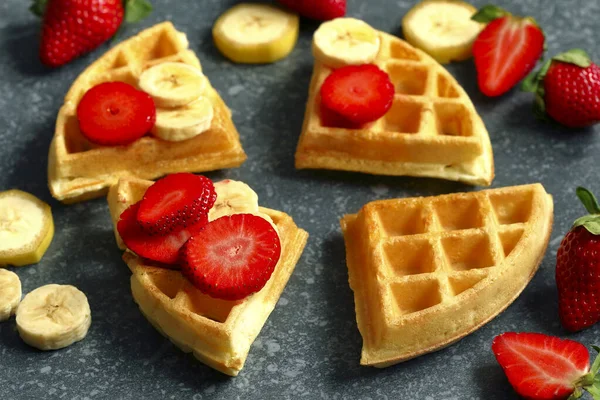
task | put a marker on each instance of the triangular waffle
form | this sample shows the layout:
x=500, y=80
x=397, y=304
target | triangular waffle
x=427, y=271
x=79, y=170
x=432, y=129
x=218, y=332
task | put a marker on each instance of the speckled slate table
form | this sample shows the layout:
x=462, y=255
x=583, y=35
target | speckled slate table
x=310, y=345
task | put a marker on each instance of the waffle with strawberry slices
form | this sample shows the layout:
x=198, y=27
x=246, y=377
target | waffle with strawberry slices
x=79, y=169
x=431, y=128
x=218, y=332
x=428, y=271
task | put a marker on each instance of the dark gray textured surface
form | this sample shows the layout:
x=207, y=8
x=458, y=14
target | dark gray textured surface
x=310, y=345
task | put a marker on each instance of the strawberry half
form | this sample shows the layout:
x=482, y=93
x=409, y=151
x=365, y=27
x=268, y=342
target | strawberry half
x=358, y=93
x=164, y=249
x=322, y=10
x=506, y=50
x=542, y=367
x=232, y=257
x=176, y=201
x=115, y=113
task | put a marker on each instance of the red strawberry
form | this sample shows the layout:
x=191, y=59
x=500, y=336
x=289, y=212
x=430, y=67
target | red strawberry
x=232, y=257
x=506, y=50
x=176, y=201
x=358, y=93
x=541, y=367
x=74, y=27
x=115, y=113
x=332, y=119
x=578, y=269
x=568, y=89
x=322, y=10
x=164, y=249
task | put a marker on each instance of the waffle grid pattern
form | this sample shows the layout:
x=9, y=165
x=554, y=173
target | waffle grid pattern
x=427, y=251
x=432, y=120
x=73, y=157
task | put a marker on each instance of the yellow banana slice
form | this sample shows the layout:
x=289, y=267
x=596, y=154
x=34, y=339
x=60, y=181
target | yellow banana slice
x=442, y=28
x=26, y=228
x=345, y=41
x=235, y=197
x=256, y=33
x=53, y=316
x=185, y=122
x=173, y=84
x=10, y=293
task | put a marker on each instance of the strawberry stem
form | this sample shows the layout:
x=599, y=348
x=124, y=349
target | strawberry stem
x=488, y=13
x=38, y=7
x=136, y=10
x=588, y=199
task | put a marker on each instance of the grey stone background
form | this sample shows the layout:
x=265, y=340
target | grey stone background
x=310, y=345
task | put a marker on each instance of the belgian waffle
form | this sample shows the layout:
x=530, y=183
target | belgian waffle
x=218, y=332
x=79, y=170
x=428, y=271
x=431, y=130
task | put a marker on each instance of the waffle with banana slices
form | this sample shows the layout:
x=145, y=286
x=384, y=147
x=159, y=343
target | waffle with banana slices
x=428, y=271
x=431, y=130
x=218, y=332
x=79, y=170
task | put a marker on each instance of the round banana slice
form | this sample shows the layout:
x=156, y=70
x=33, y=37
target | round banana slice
x=256, y=33
x=173, y=84
x=233, y=197
x=345, y=41
x=26, y=228
x=53, y=316
x=10, y=293
x=442, y=28
x=185, y=122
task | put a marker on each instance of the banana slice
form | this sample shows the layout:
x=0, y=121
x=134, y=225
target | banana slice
x=173, y=84
x=26, y=228
x=185, y=122
x=235, y=197
x=256, y=33
x=10, y=293
x=442, y=28
x=53, y=316
x=345, y=41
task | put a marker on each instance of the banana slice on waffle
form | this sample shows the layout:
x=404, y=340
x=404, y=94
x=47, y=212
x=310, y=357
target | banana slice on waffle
x=428, y=271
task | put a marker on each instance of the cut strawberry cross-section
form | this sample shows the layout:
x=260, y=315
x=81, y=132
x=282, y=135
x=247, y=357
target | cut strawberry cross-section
x=174, y=202
x=164, y=249
x=232, y=257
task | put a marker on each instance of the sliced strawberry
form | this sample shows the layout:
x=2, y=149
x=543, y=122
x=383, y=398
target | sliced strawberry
x=232, y=257
x=332, y=119
x=506, y=50
x=543, y=367
x=115, y=113
x=164, y=249
x=358, y=93
x=322, y=10
x=176, y=201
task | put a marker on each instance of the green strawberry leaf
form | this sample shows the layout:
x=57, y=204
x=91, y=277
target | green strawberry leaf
x=596, y=365
x=588, y=199
x=594, y=390
x=136, y=10
x=577, y=393
x=575, y=56
x=589, y=222
x=489, y=13
x=38, y=7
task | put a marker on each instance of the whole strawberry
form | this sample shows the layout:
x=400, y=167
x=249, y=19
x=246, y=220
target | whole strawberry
x=567, y=89
x=71, y=28
x=322, y=10
x=578, y=269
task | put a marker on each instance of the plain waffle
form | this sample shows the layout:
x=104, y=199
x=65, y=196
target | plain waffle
x=79, y=170
x=432, y=128
x=218, y=332
x=427, y=271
